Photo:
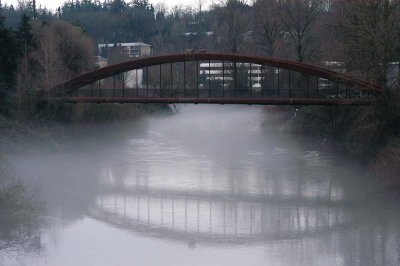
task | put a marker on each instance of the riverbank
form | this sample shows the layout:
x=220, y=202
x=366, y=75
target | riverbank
x=386, y=165
x=21, y=213
x=67, y=122
x=367, y=134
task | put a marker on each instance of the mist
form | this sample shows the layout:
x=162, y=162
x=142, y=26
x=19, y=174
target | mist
x=208, y=185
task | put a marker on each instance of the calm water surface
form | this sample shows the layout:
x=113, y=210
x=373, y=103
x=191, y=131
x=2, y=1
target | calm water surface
x=208, y=186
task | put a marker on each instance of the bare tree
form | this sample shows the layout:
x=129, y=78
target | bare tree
x=267, y=25
x=61, y=51
x=199, y=8
x=298, y=18
x=369, y=31
x=233, y=22
x=48, y=57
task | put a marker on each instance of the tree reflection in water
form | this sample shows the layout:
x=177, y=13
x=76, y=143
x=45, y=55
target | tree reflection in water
x=20, y=216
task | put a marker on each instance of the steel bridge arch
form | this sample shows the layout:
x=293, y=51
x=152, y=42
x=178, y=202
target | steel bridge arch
x=141, y=63
x=93, y=76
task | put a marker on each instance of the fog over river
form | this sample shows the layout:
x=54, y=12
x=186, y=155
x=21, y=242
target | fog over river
x=210, y=185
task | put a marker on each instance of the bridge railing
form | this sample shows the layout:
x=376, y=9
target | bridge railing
x=328, y=93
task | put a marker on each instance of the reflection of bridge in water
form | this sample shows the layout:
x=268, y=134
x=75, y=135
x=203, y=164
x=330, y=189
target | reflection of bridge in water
x=218, y=217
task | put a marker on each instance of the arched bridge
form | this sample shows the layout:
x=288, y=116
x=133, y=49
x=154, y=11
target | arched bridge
x=214, y=78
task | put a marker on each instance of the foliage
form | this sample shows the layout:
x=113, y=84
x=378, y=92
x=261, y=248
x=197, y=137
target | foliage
x=361, y=132
x=8, y=68
x=267, y=26
x=74, y=48
x=298, y=20
x=97, y=113
x=386, y=166
x=120, y=21
x=369, y=34
x=19, y=217
x=233, y=22
x=325, y=121
x=288, y=29
x=49, y=54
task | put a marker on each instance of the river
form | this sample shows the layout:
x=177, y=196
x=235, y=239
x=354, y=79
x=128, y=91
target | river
x=211, y=185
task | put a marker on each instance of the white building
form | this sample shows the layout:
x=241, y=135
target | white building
x=133, y=50
x=134, y=78
x=225, y=71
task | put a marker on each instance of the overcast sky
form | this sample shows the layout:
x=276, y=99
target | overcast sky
x=53, y=4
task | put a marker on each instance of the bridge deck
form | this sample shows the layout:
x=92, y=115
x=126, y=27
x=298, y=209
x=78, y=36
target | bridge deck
x=184, y=100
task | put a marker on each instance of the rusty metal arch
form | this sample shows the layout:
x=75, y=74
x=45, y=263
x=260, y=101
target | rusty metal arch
x=123, y=67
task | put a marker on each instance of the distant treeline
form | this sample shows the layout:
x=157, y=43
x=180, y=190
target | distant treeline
x=362, y=34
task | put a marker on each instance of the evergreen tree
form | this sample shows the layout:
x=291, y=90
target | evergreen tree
x=8, y=64
x=28, y=67
x=25, y=37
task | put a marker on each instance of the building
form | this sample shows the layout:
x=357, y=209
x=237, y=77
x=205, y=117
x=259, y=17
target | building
x=250, y=74
x=133, y=50
x=134, y=78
